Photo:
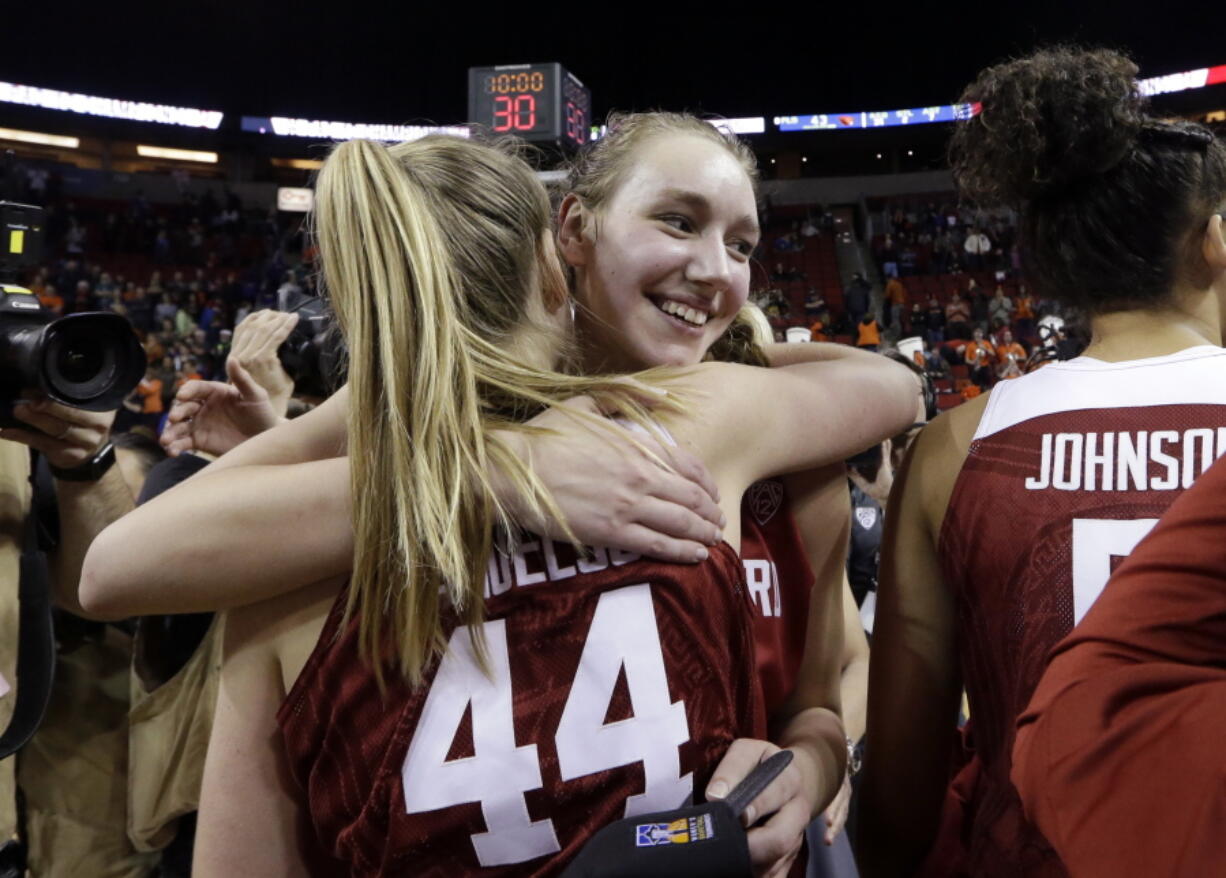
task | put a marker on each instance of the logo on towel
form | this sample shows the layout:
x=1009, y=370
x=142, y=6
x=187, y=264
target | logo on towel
x=765, y=498
x=683, y=831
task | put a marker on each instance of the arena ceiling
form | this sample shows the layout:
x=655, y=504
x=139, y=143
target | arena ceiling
x=406, y=62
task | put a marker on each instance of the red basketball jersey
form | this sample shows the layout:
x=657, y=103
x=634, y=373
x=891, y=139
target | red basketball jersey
x=1070, y=467
x=780, y=583
x=613, y=687
x=1119, y=754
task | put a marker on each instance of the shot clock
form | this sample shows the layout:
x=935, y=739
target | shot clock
x=539, y=102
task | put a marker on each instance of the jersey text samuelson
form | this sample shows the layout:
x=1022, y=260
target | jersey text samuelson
x=540, y=560
x=1161, y=460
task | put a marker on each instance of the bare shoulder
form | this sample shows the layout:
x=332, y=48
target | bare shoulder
x=820, y=501
x=937, y=457
x=282, y=631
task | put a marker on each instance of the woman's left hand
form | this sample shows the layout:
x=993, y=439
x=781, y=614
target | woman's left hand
x=789, y=799
x=835, y=817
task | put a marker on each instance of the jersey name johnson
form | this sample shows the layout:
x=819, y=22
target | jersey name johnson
x=1069, y=469
x=1126, y=461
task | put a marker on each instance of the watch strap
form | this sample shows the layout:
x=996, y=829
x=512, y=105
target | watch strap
x=89, y=471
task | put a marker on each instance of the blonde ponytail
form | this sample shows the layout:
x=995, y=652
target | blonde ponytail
x=426, y=317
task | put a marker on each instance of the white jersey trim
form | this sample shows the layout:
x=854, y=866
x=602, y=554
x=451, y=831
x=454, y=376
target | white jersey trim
x=1195, y=376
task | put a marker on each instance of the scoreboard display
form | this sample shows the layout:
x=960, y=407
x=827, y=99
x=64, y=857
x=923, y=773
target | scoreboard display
x=538, y=102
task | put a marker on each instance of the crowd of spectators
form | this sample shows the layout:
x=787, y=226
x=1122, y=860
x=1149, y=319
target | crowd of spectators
x=927, y=238
x=184, y=275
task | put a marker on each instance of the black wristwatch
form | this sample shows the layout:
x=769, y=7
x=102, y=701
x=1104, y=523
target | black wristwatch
x=91, y=470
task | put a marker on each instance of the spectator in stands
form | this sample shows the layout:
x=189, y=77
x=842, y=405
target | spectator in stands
x=1000, y=308
x=856, y=299
x=981, y=358
x=1010, y=356
x=917, y=319
x=1024, y=313
x=138, y=309
x=977, y=247
x=896, y=300
x=868, y=334
x=815, y=303
x=889, y=257
x=935, y=321
x=820, y=328
x=957, y=317
x=977, y=298
x=149, y=397
x=908, y=259
x=51, y=300
x=82, y=299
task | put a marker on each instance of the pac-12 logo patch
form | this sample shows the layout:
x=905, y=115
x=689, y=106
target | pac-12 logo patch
x=765, y=498
x=684, y=831
x=867, y=516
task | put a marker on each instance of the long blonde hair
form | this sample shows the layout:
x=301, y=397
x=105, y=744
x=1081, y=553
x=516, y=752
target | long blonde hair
x=432, y=254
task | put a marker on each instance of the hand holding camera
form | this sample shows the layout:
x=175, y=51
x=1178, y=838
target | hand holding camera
x=68, y=437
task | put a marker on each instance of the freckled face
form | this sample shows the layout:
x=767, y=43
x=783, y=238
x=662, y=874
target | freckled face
x=666, y=264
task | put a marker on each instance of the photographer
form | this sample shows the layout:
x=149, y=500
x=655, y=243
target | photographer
x=55, y=369
x=74, y=813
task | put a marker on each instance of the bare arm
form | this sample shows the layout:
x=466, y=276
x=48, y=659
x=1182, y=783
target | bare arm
x=224, y=538
x=819, y=352
x=86, y=509
x=248, y=823
x=752, y=423
x=279, y=504
x=69, y=437
x=808, y=724
x=822, y=511
x=914, y=679
x=854, y=682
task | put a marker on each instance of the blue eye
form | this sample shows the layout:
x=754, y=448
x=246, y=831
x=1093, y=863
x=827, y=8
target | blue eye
x=678, y=222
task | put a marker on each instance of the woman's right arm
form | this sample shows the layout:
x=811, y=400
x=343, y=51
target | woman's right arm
x=249, y=814
x=274, y=514
x=750, y=423
x=914, y=677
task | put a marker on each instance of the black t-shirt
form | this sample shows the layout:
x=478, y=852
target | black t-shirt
x=864, y=550
x=165, y=643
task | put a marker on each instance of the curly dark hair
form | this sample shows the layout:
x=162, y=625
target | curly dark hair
x=1112, y=200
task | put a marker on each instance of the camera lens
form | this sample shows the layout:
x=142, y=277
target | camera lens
x=91, y=360
x=80, y=360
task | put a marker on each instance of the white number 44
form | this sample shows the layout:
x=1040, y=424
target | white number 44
x=623, y=635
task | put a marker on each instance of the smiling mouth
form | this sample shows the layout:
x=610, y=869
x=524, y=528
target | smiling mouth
x=684, y=313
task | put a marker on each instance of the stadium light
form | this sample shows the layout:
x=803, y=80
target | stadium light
x=1154, y=85
x=112, y=108
x=178, y=155
x=286, y=127
x=298, y=164
x=39, y=138
x=745, y=125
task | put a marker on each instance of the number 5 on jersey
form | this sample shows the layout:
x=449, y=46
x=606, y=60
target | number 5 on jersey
x=1095, y=541
x=623, y=634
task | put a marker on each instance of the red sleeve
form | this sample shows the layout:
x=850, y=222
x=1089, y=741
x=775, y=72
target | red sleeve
x=1119, y=756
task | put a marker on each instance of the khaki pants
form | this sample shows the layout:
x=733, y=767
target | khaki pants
x=14, y=501
x=74, y=771
x=169, y=735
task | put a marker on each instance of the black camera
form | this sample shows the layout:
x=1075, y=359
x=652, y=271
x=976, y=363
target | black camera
x=87, y=361
x=314, y=355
